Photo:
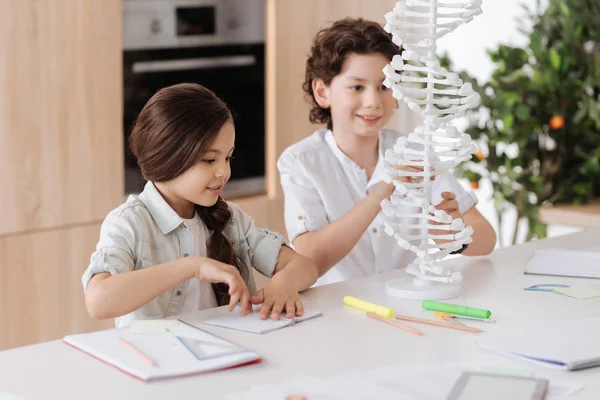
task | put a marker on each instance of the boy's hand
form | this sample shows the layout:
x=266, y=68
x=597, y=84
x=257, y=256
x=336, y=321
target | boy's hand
x=215, y=271
x=413, y=168
x=450, y=205
x=276, y=298
x=385, y=190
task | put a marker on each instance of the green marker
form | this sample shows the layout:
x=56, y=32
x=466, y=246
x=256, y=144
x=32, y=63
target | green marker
x=456, y=309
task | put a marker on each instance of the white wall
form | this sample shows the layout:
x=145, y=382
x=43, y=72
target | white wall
x=497, y=24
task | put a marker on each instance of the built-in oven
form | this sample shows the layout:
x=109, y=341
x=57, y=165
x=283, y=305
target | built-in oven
x=216, y=43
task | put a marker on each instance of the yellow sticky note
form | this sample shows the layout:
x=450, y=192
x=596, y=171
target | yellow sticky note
x=579, y=292
x=153, y=326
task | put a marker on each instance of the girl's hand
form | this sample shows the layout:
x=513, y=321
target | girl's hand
x=215, y=271
x=278, y=297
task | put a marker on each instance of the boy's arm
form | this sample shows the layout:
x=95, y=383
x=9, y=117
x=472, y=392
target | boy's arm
x=328, y=245
x=293, y=273
x=484, y=236
x=292, y=267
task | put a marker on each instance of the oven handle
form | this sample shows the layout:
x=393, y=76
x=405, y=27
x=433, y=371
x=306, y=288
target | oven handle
x=140, y=67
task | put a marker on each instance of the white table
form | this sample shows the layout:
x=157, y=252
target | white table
x=343, y=340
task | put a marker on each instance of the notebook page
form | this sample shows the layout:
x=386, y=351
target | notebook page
x=253, y=324
x=170, y=355
x=569, y=345
x=565, y=263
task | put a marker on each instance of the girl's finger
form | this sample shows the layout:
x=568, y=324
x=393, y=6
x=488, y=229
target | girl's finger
x=245, y=302
x=233, y=301
x=290, y=309
x=266, y=308
x=299, y=308
x=276, y=311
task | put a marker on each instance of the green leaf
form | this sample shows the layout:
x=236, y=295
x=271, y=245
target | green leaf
x=592, y=165
x=564, y=9
x=579, y=115
x=594, y=114
x=537, y=77
x=523, y=112
x=508, y=121
x=511, y=98
x=554, y=59
x=540, y=230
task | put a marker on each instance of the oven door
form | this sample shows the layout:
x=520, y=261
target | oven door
x=234, y=73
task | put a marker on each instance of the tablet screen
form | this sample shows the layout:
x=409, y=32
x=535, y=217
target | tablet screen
x=476, y=386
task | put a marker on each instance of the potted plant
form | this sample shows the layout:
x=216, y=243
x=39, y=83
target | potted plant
x=538, y=125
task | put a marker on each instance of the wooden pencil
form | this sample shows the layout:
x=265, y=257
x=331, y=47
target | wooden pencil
x=438, y=323
x=137, y=351
x=395, y=323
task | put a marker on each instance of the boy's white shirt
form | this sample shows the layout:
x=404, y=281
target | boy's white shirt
x=320, y=184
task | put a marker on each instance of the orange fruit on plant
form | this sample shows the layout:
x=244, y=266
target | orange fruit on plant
x=474, y=184
x=556, y=122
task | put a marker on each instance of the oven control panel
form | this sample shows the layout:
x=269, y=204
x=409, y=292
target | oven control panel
x=156, y=24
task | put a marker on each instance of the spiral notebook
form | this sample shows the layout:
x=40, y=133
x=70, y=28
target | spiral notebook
x=185, y=350
x=571, y=345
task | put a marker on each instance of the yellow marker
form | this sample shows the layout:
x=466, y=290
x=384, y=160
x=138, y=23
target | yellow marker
x=369, y=307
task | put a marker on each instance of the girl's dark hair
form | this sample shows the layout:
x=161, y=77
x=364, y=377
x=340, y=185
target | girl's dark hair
x=175, y=127
x=330, y=49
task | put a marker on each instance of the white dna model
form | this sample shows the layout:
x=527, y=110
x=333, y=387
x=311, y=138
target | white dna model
x=416, y=77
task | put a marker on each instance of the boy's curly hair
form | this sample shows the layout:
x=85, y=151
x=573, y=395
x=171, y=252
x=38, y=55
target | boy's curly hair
x=330, y=49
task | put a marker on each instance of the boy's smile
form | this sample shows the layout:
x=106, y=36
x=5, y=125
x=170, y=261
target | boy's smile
x=359, y=102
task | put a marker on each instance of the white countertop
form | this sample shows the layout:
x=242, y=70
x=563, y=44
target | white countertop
x=343, y=340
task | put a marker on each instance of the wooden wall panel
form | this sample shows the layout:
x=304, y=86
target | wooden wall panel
x=291, y=27
x=41, y=297
x=61, y=141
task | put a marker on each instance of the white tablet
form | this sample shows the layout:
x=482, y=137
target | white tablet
x=478, y=386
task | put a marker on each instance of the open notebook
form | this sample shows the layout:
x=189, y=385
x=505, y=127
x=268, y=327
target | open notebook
x=570, y=345
x=184, y=350
x=581, y=264
x=253, y=324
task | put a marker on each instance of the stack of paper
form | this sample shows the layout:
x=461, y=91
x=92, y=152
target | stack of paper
x=569, y=345
x=582, y=264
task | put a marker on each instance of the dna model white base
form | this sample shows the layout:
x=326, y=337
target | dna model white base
x=421, y=289
x=435, y=147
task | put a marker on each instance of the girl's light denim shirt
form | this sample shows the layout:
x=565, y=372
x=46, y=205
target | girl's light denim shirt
x=145, y=231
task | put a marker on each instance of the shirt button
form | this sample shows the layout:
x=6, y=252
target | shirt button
x=178, y=293
x=186, y=255
x=374, y=230
x=300, y=217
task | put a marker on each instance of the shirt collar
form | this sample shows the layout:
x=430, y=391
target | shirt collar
x=345, y=160
x=166, y=218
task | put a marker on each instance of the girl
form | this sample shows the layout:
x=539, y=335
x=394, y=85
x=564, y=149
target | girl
x=178, y=246
x=332, y=180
